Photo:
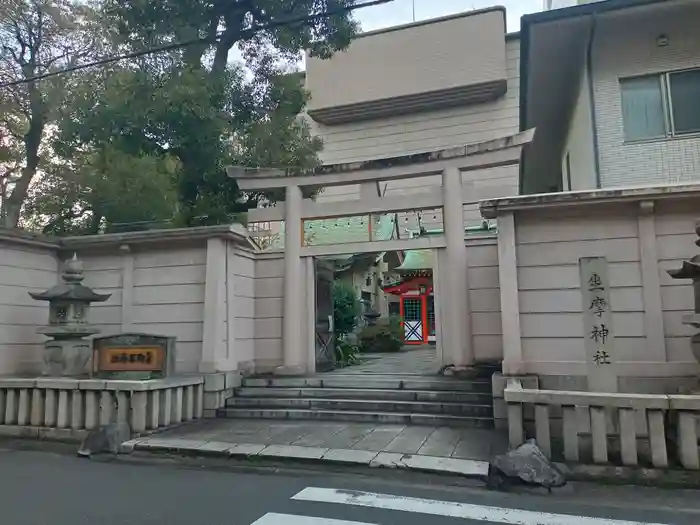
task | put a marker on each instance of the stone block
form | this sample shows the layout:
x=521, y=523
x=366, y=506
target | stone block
x=209, y=413
x=214, y=382
x=350, y=457
x=499, y=382
x=292, y=452
x=233, y=380
x=387, y=460
x=213, y=400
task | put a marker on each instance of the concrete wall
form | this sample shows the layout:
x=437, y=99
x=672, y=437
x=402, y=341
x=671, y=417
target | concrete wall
x=24, y=267
x=640, y=240
x=157, y=290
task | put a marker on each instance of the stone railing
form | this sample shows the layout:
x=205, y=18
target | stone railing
x=68, y=407
x=615, y=420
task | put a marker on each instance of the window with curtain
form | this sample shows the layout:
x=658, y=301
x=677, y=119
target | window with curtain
x=660, y=106
x=643, y=108
x=684, y=88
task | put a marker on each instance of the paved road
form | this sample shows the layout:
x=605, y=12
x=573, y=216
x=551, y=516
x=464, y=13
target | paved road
x=41, y=488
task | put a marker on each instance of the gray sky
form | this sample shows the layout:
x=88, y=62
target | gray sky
x=401, y=11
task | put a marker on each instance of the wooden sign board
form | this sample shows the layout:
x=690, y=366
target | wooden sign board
x=130, y=359
x=133, y=356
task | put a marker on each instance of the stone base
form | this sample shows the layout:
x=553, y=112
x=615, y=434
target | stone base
x=218, y=388
x=498, y=385
x=289, y=371
x=66, y=358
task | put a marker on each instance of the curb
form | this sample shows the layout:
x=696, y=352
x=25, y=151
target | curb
x=429, y=464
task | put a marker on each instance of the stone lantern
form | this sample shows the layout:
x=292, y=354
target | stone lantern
x=68, y=353
x=691, y=270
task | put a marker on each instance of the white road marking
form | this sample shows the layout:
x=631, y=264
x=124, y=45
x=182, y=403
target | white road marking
x=291, y=519
x=452, y=509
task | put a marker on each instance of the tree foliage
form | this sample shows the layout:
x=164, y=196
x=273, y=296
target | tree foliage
x=346, y=308
x=147, y=140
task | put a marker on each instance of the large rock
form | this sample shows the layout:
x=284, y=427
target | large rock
x=526, y=464
x=105, y=439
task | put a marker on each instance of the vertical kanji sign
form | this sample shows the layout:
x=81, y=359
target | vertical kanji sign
x=597, y=325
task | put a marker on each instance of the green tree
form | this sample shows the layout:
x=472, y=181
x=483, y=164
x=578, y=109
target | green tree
x=195, y=105
x=36, y=37
x=346, y=308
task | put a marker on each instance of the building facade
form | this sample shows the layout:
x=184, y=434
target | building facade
x=612, y=88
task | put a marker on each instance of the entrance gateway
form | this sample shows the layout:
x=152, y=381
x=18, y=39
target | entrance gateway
x=307, y=282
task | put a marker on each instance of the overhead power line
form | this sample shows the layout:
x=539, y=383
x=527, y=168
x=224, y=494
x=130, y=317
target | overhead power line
x=208, y=40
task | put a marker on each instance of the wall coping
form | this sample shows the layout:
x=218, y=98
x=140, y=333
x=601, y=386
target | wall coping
x=234, y=232
x=121, y=385
x=514, y=394
x=492, y=208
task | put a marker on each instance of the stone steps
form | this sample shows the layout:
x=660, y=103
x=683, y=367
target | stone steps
x=372, y=381
x=363, y=405
x=357, y=416
x=439, y=396
x=400, y=399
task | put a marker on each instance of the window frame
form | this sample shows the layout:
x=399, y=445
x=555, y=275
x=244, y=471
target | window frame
x=666, y=106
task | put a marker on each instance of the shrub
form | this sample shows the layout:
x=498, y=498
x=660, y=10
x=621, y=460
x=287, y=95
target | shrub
x=385, y=336
x=346, y=308
x=345, y=353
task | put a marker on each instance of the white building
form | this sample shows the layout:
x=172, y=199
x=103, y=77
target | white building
x=612, y=88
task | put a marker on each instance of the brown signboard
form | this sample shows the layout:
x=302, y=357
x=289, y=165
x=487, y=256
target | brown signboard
x=133, y=356
x=130, y=359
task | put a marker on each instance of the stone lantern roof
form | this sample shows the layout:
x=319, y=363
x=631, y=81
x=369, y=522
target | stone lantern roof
x=71, y=288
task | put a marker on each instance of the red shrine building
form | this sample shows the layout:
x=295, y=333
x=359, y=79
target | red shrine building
x=416, y=299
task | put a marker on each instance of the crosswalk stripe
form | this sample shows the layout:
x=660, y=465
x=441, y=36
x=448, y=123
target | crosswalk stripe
x=451, y=509
x=292, y=519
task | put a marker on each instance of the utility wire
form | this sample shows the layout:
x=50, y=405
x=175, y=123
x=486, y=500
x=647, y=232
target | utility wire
x=209, y=40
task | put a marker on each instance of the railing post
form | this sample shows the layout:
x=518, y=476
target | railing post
x=628, y=437
x=515, y=425
x=570, y=434
x=599, y=435
x=542, y=430
x=657, y=438
x=688, y=440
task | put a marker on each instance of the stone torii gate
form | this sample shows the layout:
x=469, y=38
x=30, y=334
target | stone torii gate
x=453, y=333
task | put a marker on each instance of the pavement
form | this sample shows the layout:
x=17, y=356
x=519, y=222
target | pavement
x=463, y=451
x=416, y=360
x=45, y=488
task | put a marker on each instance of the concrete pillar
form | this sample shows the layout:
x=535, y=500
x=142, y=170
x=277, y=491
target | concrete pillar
x=515, y=425
x=107, y=407
x=153, y=408
x=50, y=408
x=165, y=407
x=92, y=409
x=176, y=412
x=688, y=440
x=188, y=405
x=123, y=403
x=139, y=402
x=457, y=333
x=542, y=430
x=37, y=416
x=198, y=401
x=63, y=412
x=657, y=438
x=628, y=437
x=510, y=306
x=292, y=323
x=599, y=434
x=214, y=344
x=77, y=410
x=23, y=409
x=571, y=452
